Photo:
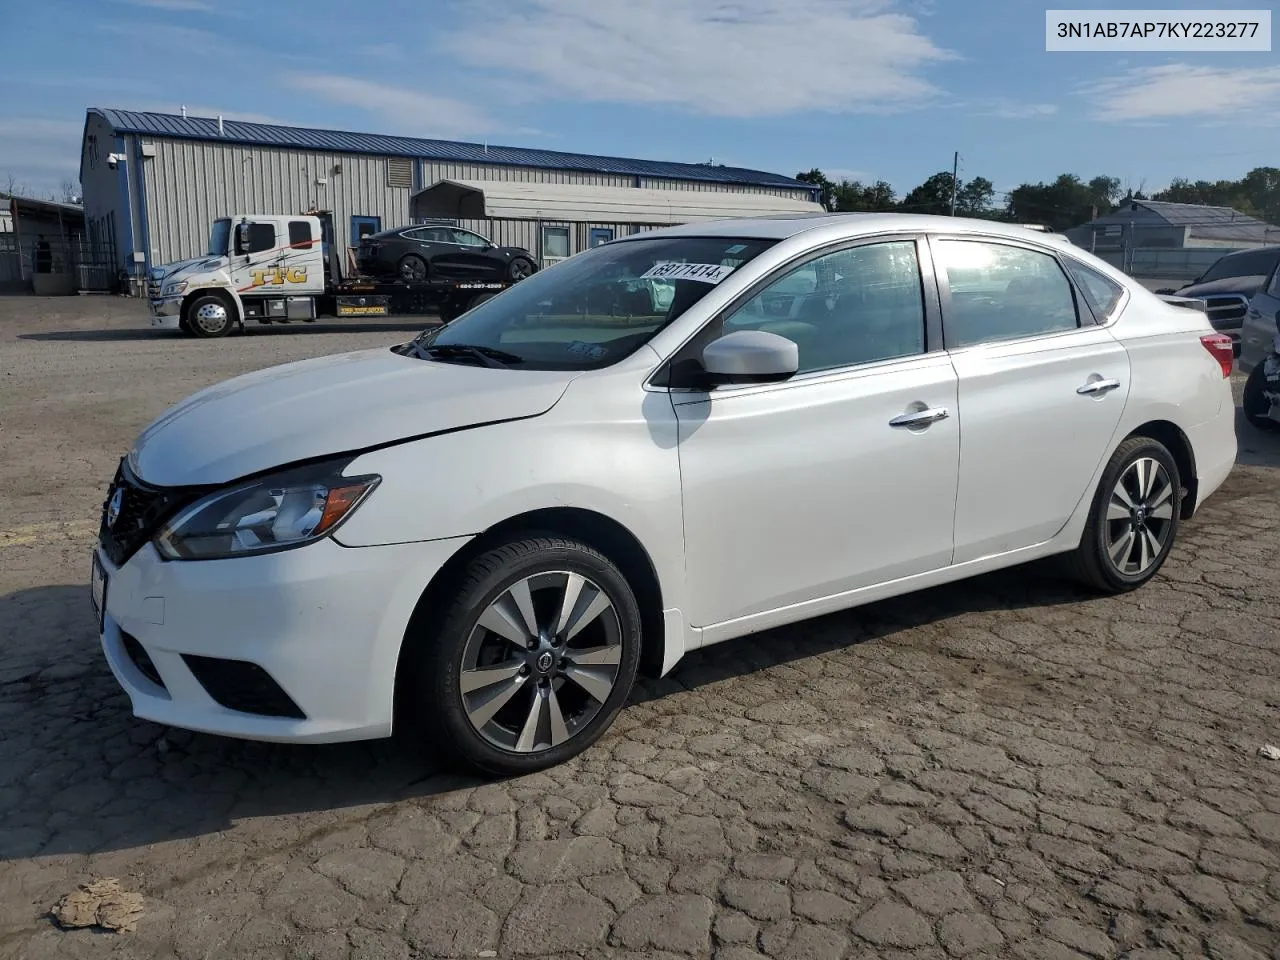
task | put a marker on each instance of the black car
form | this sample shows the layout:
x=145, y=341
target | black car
x=1228, y=285
x=440, y=252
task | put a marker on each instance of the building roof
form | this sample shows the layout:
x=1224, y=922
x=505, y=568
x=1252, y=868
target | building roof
x=576, y=203
x=33, y=204
x=1202, y=221
x=339, y=141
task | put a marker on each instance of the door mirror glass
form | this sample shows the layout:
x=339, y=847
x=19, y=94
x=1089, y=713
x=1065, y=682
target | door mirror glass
x=243, y=234
x=750, y=356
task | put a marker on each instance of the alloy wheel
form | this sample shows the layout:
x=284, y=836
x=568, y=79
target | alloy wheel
x=521, y=270
x=541, y=661
x=1139, y=516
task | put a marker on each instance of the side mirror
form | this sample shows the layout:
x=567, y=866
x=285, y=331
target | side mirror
x=750, y=356
x=242, y=238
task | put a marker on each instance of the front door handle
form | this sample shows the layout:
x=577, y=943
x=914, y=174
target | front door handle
x=1097, y=386
x=919, y=418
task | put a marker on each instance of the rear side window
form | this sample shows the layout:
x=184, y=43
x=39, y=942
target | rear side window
x=1100, y=291
x=300, y=235
x=1003, y=292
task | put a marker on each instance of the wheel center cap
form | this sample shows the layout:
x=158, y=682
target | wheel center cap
x=546, y=660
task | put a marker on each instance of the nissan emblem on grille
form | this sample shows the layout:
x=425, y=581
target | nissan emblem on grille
x=114, y=505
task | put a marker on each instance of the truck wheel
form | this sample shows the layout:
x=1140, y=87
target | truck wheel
x=412, y=268
x=520, y=268
x=210, y=315
x=1255, y=403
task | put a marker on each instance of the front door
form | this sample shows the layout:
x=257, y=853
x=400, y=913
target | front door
x=465, y=255
x=1041, y=391
x=840, y=478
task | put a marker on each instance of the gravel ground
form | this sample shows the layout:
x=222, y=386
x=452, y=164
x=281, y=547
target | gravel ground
x=1001, y=768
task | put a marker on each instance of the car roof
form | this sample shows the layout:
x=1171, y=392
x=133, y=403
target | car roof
x=784, y=226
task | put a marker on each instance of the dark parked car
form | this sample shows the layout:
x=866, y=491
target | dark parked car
x=1229, y=284
x=443, y=252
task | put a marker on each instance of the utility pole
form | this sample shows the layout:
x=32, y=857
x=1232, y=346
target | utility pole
x=955, y=171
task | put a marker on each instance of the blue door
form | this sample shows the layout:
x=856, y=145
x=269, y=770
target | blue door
x=362, y=227
x=601, y=235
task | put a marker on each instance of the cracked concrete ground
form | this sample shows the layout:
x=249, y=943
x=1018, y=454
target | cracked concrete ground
x=1001, y=768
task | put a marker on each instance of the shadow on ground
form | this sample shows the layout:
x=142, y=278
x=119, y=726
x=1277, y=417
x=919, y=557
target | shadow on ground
x=80, y=774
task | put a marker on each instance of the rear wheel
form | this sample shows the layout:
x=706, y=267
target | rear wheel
x=210, y=315
x=412, y=268
x=1134, y=519
x=1255, y=402
x=533, y=659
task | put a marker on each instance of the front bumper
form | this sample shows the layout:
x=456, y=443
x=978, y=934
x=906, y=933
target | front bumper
x=325, y=623
x=165, y=312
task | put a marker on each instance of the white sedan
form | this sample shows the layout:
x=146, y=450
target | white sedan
x=667, y=441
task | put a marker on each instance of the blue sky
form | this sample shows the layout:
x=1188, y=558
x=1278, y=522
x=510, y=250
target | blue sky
x=871, y=89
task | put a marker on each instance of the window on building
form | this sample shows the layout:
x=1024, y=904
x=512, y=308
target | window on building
x=92, y=141
x=300, y=237
x=1100, y=291
x=400, y=173
x=853, y=306
x=1003, y=292
x=555, y=243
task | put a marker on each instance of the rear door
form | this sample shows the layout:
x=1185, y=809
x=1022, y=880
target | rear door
x=436, y=246
x=1041, y=387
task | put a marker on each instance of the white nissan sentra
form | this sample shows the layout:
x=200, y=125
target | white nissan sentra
x=674, y=439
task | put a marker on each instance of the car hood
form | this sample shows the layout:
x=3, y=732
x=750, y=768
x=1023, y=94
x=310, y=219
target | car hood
x=170, y=271
x=330, y=405
x=1245, y=286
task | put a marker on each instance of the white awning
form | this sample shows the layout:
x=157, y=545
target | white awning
x=510, y=200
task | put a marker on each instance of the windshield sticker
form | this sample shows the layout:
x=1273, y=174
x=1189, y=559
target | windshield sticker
x=705, y=272
x=590, y=350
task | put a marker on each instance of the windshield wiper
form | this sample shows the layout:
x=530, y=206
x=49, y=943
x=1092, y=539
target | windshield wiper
x=488, y=356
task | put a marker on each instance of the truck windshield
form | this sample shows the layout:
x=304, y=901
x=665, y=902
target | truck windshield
x=219, y=237
x=595, y=308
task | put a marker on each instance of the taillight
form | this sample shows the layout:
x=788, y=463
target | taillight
x=1219, y=345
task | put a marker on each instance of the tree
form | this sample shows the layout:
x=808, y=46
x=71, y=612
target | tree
x=932, y=196
x=67, y=192
x=1064, y=203
x=973, y=198
x=826, y=187
x=851, y=196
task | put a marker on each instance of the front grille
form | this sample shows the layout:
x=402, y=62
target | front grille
x=140, y=658
x=242, y=686
x=1226, y=312
x=140, y=511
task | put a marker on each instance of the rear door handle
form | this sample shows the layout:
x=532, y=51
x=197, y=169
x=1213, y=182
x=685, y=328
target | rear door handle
x=1097, y=386
x=920, y=418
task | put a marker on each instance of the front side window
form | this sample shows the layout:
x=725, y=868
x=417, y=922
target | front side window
x=262, y=237
x=594, y=309
x=1100, y=291
x=1003, y=292
x=858, y=305
x=468, y=239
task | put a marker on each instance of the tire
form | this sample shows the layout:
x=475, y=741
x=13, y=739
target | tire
x=184, y=326
x=1153, y=529
x=480, y=298
x=571, y=714
x=1256, y=405
x=412, y=268
x=210, y=315
x=520, y=268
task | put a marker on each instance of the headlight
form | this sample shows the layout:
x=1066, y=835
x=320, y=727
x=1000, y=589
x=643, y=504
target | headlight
x=175, y=288
x=277, y=512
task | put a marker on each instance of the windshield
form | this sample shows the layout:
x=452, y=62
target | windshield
x=1255, y=263
x=597, y=307
x=218, y=238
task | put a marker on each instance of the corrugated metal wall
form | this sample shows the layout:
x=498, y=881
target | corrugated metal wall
x=660, y=184
x=433, y=172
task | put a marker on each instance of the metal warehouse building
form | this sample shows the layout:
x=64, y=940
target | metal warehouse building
x=153, y=183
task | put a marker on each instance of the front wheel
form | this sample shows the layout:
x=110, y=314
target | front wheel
x=210, y=315
x=1134, y=519
x=533, y=659
x=519, y=269
x=1256, y=404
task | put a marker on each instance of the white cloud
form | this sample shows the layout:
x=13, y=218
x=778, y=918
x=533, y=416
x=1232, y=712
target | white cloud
x=1179, y=90
x=732, y=58
x=397, y=109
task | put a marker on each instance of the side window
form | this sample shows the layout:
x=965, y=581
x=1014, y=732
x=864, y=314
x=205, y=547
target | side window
x=1003, y=292
x=468, y=239
x=1101, y=292
x=300, y=235
x=853, y=306
x=1273, y=289
x=262, y=236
